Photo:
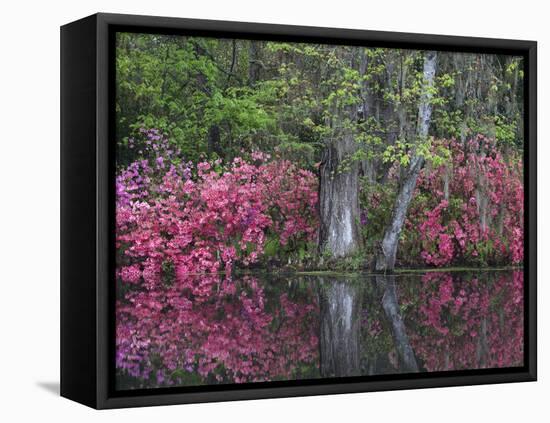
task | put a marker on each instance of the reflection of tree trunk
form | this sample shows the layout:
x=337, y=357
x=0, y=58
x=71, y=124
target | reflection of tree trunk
x=482, y=350
x=391, y=308
x=386, y=257
x=339, y=343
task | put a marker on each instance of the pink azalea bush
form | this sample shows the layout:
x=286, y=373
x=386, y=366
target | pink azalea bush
x=468, y=211
x=207, y=218
x=481, y=220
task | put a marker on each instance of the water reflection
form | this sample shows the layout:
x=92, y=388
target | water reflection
x=340, y=327
x=407, y=359
x=215, y=330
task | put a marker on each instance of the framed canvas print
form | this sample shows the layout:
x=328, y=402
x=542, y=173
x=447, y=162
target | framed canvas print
x=255, y=211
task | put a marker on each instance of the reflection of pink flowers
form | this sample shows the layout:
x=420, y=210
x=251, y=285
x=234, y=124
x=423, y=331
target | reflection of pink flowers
x=221, y=333
x=458, y=323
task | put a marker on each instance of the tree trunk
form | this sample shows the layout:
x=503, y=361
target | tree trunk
x=339, y=234
x=339, y=342
x=446, y=181
x=386, y=257
x=254, y=67
x=214, y=141
x=367, y=167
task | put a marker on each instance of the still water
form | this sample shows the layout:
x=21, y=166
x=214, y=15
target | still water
x=219, y=330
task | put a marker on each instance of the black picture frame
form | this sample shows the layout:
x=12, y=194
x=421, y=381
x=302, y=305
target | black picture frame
x=87, y=210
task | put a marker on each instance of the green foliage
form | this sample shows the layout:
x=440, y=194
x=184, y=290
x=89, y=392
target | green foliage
x=376, y=200
x=201, y=93
x=505, y=132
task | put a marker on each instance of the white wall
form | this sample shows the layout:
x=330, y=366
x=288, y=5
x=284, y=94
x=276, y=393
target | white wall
x=29, y=235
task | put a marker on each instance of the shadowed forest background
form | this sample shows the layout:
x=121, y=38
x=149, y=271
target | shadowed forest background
x=294, y=211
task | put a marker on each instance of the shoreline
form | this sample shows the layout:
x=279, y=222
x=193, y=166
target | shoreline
x=396, y=272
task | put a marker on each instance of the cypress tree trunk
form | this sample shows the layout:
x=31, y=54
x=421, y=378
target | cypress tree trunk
x=339, y=234
x=388, y=250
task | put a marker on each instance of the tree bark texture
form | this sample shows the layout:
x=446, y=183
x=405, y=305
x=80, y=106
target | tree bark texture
x=339, y=234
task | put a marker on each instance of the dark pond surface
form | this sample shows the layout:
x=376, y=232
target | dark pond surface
x=219, y=330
